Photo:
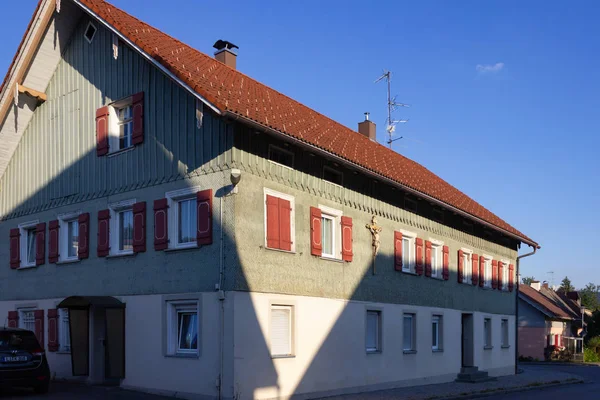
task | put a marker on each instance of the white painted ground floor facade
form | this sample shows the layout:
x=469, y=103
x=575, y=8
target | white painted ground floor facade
x=279, y=346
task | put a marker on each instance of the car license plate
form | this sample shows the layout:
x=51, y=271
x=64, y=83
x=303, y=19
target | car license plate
x=14, y=359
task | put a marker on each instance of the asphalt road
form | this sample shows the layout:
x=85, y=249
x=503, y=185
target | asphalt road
x=588, y=390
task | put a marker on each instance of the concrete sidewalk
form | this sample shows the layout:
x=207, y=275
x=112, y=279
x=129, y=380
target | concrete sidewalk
x=531, y=378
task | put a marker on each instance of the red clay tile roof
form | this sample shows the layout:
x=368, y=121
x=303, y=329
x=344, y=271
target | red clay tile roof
x=554, y=307
x=231, y=91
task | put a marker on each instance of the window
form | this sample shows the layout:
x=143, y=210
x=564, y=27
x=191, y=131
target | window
x=436, y=259
x=183, y=327
x=281, y=331
x=279, y=220
x=487, y=333
x=183, y=217
x=331, y=232
x=64, y=339
x=120, y=120
x=408, y=251
x=487, y=271
x=504, y=327
x=121, y=230
x=28, y=243
x=333, y=176
x=68, y=236
x=408, y=337
x=90, y=32
x=27, y=319
x=467, y=266
x=281, y=156
x=505, y=274
x=436, y=332
x=125, y=124
x=373, y=339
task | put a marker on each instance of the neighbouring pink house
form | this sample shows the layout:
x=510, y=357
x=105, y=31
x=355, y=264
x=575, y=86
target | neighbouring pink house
x=548, y=317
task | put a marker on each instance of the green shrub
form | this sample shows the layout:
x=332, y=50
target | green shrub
x=594, y=342
x=590, y=355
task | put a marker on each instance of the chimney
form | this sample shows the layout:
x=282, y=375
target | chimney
x=535, y=285
x=367, y=128
x=225, y=52
x=545, y=285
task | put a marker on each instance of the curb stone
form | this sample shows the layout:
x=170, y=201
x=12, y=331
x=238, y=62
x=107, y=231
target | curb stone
x=561, y=364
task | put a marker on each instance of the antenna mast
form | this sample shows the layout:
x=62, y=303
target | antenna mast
x=392, y=105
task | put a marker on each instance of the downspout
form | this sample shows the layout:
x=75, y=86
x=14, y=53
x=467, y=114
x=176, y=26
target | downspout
x=222, y=304
x=517, y=308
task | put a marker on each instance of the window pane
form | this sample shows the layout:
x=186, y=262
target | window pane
x=126, y=230
x=408, y=332
x=434, y=260
x=27, y=320
x=280, y=331
x=188, y=330
x=372, y=331
x=434, y=333
x=187, y=221
x=30, y=246
x=405, y=253
x=327, y=235
x=64, y=336
x=72, y=238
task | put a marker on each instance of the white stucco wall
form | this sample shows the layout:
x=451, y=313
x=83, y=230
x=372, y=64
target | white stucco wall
x=329, y=345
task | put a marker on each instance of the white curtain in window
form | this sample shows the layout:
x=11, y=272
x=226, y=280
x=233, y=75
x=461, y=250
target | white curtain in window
x=187, y=221
x=63, y=331
x=405, y=253
x=126, y=230
x=372, y=331
x=31, y=246
x=281, y=341
x=72, y=238
x=188, y=330
x=327, y=235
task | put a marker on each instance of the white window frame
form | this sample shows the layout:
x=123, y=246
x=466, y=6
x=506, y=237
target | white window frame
x=114, y=232
x=90, y=23
x=336, y=231
x=63, y=235
x=174, y=307
x=291, y=199
x=467, y=266
x=291, y=327
x=437, y=248
x=63, y=331
x=505, y=274
x=23, y=228
x=505, y=333
x=437, y=319
x=413, y=339
x=281, y=149
x=173, y=199
x=487, y=333
x=114, y=125
x=22, y=312
x=409, y=261
x=487, y=270
x=378, y=332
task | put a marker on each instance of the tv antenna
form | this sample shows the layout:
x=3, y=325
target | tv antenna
x=551, y=273
x=392, y=105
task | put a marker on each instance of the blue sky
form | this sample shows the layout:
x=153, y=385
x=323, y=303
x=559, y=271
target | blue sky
x=503, y=94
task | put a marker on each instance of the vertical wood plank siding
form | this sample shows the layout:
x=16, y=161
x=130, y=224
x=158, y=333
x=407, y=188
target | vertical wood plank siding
x=56, y=162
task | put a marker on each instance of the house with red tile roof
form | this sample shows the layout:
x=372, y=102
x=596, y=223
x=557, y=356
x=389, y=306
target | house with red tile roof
x=548, y=318
x=175, y=226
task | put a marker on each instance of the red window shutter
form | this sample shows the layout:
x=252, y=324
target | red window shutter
x=285, y=225
x=398, y=251
x=460, y=266
x=139, y=227
x=481, y=271
x=556, y=340
x=161, y=219
x=102, y=131
x=273, y=236
x=494, y=274
x=39, y=326
x=53, y=329
x=137, y=108
x=475, y=269
x=446, y=262
x=40, y=243
x=53, y=227
x=347, y=238
x=83, y=251
x=419, y=256
x=204, y=234
x=511, y=277
x=103, y=232
x=316, y=244
x=500, y=277
x=15, y=248
x=427, y=258
x=13, y=319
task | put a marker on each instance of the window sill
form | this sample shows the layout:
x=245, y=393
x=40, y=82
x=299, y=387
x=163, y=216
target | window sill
x=71, y=261
x=119, y=255
x=119, y=152
x=373, y=352
x=63, y=352
x=488, y=347
x=279, y=250
x=437, y=350
x=505, y=346
x=409, y=351
x=283, y=356
x=183, y=355
x=409, y=273
x=176, y=249
x=326, y=258
x=27, y=266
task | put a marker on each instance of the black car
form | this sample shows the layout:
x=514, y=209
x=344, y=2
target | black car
x=22, y=360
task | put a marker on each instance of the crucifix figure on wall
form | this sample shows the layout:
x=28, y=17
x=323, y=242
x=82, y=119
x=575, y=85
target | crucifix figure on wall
x=375, y=231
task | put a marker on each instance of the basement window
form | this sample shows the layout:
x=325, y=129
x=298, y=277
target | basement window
x=90, y=32
x=333, y=176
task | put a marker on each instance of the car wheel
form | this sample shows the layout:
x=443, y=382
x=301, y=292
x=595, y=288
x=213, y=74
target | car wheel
x=41, y=389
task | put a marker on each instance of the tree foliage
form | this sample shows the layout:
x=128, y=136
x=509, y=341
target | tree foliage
x=589, y=297
x=527, y=280
x=566, y=285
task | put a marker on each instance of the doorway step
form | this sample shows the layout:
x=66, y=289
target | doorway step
x=473, y=375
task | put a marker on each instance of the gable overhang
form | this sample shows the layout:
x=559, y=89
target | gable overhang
x=542, y=309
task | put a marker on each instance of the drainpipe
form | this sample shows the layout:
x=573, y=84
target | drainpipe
x=222, y=304
x=517, y=308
